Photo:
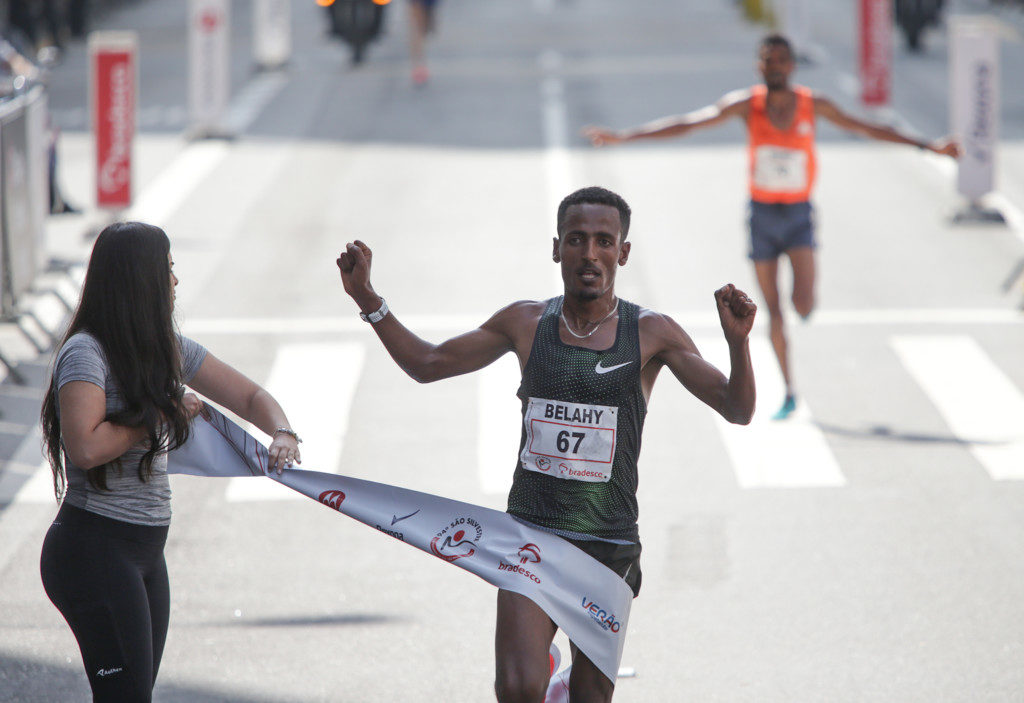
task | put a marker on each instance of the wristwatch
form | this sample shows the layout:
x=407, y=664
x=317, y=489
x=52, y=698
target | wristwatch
x=377, y=315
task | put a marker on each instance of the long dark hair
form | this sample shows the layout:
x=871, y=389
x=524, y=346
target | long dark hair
x=126, y=306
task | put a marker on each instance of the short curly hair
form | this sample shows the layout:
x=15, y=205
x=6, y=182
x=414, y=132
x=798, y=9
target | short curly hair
x=595, y=195
x=773, y=40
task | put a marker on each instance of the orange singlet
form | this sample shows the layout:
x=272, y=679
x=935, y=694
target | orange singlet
x=782, y=161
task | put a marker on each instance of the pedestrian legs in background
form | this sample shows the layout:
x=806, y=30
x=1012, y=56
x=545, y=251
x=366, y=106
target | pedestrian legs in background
x=421, y=24
x=58, y=205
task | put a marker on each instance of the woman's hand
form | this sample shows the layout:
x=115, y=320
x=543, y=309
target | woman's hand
x=284, y=451
x=193, y=405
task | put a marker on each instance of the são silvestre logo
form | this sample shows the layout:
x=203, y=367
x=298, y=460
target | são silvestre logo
x=457, y=540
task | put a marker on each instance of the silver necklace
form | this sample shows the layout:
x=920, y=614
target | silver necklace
x=561, y=313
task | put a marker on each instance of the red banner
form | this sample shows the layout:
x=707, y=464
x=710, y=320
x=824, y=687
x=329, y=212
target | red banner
x=113, y=71
x=875, y=51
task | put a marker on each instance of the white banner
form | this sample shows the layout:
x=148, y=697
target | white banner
x=974, y=102
x=589, y=601
x=271, y=33
x=209, y=64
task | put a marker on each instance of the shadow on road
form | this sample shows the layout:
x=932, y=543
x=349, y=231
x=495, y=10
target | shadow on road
x=30, y=681
x=888, y=433
x=313, y=621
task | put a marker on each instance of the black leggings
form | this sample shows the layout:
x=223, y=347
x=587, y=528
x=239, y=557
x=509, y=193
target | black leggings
x=108, y=579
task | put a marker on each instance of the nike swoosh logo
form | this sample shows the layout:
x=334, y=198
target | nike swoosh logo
x=606, y=369
x=395, y=518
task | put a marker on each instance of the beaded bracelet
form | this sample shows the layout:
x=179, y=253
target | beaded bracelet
x=289, y=431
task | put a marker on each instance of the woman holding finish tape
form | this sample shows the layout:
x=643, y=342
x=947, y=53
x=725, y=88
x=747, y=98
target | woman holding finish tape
x=115, y=407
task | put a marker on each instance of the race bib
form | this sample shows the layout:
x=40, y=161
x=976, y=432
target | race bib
x=572, y=441
x=780, y=170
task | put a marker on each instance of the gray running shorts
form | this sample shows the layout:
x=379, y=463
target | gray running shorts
x=778, y=227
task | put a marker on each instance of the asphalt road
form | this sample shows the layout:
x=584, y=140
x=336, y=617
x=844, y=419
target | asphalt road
x=868, y=550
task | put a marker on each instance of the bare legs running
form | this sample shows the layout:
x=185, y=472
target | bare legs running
x=522, y=639
x=802, y=261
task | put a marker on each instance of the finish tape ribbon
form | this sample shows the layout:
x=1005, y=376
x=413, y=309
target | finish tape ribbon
x=586, y=599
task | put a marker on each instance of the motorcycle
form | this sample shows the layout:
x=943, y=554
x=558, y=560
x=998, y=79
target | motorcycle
x=914, y=16
x=356, y=22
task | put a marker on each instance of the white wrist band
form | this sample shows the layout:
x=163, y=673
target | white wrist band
x=377, y=315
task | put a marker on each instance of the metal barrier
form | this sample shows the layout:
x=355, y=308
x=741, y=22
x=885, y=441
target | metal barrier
x=24, y=200
x=24, y=204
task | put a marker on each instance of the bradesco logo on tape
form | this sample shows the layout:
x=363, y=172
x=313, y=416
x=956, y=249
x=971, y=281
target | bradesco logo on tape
x=528, y=554
x=457, y=540
x=602, y=617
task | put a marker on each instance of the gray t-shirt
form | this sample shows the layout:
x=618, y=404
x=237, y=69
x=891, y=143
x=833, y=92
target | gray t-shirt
x=128, y=498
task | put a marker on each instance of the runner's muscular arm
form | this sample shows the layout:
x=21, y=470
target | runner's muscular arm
x=734, y=104
x=827, y=109
x=422, y=360
x=733, y=397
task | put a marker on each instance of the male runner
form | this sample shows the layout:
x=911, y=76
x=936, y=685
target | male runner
x=780, y=128
x=591, y=360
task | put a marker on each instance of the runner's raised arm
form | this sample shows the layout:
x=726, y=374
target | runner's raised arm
x=824, y=107
x=733, y=397
x=422, y=360
x=733, y=104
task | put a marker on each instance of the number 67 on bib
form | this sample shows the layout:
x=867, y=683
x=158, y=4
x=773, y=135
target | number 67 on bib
x=573, y=441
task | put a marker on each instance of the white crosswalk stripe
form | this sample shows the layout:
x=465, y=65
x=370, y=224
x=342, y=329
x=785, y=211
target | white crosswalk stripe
x=317, y=383
x=773, y=454
x=977, y=400
x=306, y=379
x=500, y=424
x=148, y=118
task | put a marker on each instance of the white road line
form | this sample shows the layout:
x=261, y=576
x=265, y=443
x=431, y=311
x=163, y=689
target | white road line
x=692, y=319
x=38, y=489
x=341, y=324
x=251, y=100
x=26, y=478
x=166, y=194
x=19, y=525
x=315, y=384
x=773, y=454
x=921, y=316
x=1014, y=216
x=500, y=424
x=978, y=401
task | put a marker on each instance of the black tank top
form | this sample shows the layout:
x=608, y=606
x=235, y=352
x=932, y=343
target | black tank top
x=583, y=415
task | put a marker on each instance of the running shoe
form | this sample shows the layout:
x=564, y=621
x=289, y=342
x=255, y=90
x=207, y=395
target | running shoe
x=788, y=406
